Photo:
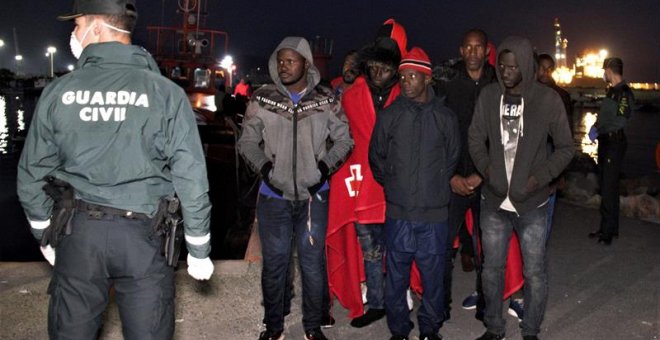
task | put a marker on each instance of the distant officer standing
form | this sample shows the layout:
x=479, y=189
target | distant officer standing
x=612, y=143
x=123, y=137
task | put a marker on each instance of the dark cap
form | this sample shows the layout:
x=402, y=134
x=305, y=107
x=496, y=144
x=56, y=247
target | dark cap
x=100, y=7
x=614, y=62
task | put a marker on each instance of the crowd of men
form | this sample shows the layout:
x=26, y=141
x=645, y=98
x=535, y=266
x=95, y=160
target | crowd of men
x=371, y=181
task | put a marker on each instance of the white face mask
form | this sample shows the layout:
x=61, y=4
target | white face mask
x=76, y=46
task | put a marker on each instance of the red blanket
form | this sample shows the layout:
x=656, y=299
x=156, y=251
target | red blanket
x=354, y=197
x=513, y=272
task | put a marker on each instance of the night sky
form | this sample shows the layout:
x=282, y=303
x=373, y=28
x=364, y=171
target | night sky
x=629, y=29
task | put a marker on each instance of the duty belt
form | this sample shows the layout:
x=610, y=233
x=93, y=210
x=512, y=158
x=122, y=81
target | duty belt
x=97, y=211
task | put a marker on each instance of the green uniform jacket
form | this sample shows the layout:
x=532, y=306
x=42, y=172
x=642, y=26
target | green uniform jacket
x=123, y=136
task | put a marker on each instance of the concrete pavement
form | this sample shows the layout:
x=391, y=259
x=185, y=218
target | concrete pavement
x=596, y=292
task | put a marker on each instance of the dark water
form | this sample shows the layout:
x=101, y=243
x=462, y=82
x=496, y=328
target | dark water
x=642, y=133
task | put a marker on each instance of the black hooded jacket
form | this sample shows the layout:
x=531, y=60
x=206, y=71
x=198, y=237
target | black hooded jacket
x=535, y=166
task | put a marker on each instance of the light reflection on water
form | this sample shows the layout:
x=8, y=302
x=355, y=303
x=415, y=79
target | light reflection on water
x=20, y=120
x=4, y=129
x=588, y=147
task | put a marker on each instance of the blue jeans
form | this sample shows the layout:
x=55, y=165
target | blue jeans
x=496, y=228
x=280, y=222
x=370, y=237
x=425, y=243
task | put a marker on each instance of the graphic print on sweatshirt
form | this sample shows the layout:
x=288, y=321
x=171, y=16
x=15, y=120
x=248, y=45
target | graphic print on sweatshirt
x=511, y=111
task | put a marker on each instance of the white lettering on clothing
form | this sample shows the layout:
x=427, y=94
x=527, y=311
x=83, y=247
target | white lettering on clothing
x=68, y=97
x=104, y=106
x=97, y=98
x=84, y=114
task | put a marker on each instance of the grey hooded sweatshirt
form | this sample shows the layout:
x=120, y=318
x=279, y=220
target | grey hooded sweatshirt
x=294, y=137
x=543, y=115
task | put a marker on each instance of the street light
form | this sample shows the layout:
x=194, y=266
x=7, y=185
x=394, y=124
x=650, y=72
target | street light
x=18, y=59
x=51, y=53
x=227, y=63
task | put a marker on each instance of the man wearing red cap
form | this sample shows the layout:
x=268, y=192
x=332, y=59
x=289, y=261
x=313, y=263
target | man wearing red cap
x=413, y=151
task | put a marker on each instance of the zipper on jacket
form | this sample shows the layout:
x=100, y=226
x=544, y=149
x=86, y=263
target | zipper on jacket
x=295, y=149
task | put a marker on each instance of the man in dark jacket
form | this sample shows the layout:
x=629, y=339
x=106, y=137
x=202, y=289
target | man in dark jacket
x=413, y=152
x=470, y=75
x=123, y=136
x=285, y=133
x=546, y=66
x=612, y=119
x=508, y=144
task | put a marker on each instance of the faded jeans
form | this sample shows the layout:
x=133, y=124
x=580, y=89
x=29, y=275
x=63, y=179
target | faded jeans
x=370, y=237
x=496, y=228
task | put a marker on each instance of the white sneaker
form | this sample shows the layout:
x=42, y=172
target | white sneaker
x=363, y=288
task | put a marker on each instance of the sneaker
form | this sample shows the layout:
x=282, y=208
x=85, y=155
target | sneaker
x=327, y=321
x=470, y=302
x=491, y=336
x=517, y=308
x=368, y=318
x=271, y=335
x=398, y=337
x=430, y=337
x=530, y=337
x=315, y=334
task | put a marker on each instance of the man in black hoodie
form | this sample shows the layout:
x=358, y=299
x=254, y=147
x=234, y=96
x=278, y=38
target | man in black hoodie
x=508, y=144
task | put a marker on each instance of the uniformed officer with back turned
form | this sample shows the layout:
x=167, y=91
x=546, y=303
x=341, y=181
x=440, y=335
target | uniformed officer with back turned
x=107, y=142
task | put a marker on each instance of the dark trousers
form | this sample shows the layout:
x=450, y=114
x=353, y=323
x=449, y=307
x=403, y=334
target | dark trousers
x=370, y=237
x=110, y=251
x=425, y=244
x=319, y=220
x=458, y=205
x=497, y=225
x=611, y=150
x=280, y=222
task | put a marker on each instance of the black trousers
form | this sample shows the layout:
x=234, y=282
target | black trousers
x=104, y=252
x=611, y=149
x=458, y=205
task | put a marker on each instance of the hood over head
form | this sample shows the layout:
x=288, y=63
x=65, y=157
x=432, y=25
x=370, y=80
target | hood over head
x=395, y=31
x=301, y=46
x=524, y=52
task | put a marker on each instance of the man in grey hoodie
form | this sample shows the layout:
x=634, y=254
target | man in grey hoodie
x=285, y=137
x=508, y=144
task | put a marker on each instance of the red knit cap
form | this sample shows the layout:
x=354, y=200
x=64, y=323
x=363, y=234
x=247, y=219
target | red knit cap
x=416, y=59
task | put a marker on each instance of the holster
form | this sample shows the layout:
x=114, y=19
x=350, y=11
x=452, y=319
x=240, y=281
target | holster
x=64, y=208
x=168, y=224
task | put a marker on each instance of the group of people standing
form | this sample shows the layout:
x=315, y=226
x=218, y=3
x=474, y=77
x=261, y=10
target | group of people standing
x=370, y=180
x=400, y=158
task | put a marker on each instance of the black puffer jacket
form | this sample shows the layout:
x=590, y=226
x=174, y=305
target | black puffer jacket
x=413, y=153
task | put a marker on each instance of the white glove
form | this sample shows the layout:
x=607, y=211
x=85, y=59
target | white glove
x=200, y=269
x=49, y=254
